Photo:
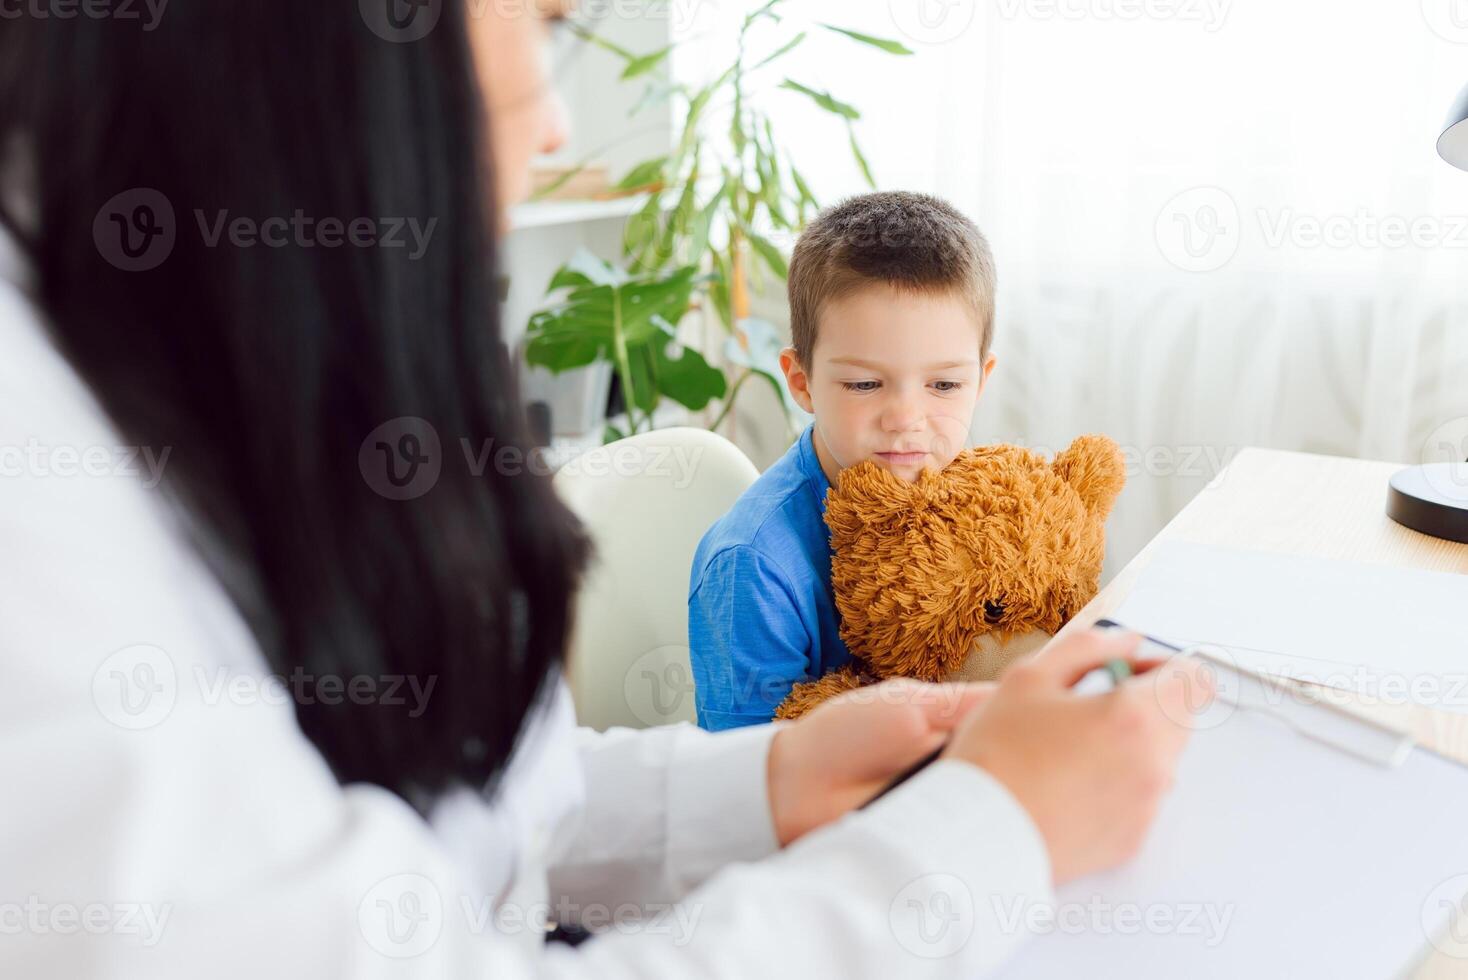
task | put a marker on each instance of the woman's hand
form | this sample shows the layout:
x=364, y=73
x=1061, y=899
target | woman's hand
x=847, y=749
x=1090, y=770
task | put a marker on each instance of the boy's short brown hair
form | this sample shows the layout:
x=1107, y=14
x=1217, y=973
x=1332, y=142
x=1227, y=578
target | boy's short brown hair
x=912, y=241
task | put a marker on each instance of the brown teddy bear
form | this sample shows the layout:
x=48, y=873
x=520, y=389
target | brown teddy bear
x=954, y=576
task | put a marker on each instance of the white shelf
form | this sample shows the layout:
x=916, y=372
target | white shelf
x=549, y=214
x=546, y=214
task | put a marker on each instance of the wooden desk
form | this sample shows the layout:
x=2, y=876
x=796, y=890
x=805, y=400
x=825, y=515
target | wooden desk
x=1297, y=503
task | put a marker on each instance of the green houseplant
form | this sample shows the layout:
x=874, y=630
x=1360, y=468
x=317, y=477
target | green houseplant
x=703, y=237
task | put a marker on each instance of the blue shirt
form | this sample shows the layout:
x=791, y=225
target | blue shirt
x=761, y=614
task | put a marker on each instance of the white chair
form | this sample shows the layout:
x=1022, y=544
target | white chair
x=646, y=501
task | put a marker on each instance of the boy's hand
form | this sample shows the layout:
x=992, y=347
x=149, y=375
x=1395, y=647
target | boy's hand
x=847, y=749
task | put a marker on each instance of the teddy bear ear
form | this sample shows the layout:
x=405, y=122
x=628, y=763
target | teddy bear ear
x=1094, y=467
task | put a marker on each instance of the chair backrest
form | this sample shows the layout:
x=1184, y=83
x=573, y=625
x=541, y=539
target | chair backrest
x=646, y=502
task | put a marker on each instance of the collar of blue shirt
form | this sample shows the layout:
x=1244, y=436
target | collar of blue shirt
x=810, y=465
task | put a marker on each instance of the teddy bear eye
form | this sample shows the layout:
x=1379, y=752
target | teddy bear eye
x=993, y=611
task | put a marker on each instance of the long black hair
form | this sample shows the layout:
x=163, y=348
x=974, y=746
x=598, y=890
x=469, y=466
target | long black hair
x=266, y=368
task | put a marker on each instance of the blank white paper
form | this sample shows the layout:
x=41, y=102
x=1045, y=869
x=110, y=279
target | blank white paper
x=1274, y=856
x=1397, y=634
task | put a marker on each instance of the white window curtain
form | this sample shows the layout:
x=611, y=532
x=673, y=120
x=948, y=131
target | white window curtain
x=1218, y=223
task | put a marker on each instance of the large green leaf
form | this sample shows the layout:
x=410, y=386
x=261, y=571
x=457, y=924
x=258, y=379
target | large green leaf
x=585, y=268
x=576, y=318
x=574, y=333
x=644, y=392
x=688, y=379
x=562, y=353
x=667, y=297
x=891, y=47
x=582, y=327
x=823, y=99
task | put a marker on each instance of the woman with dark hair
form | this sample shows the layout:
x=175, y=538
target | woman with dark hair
x=268, y=716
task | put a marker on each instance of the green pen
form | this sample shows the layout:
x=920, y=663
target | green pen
x=1119, y=670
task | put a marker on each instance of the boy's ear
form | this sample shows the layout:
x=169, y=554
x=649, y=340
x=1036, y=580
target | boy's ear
x=796, y=379
x=988, y=369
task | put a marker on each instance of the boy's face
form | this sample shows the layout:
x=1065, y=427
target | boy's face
x=894, y=377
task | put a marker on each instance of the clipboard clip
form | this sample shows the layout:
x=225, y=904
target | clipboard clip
x=1238, y=688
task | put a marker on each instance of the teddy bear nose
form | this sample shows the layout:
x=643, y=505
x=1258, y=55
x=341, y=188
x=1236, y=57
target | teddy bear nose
x=993, y=611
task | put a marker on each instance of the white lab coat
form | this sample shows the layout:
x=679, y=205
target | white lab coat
x=164, y=817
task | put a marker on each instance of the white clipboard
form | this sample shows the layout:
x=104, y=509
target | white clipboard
x=1299, y=840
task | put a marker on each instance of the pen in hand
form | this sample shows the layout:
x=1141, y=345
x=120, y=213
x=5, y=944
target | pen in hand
x=1116, y=669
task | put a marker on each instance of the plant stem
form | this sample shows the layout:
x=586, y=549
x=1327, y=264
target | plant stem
x=729, y=401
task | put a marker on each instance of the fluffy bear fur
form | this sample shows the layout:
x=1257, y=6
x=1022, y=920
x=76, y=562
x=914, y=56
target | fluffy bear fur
x=959, y=573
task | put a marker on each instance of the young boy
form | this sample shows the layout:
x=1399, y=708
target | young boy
x=891, y=319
